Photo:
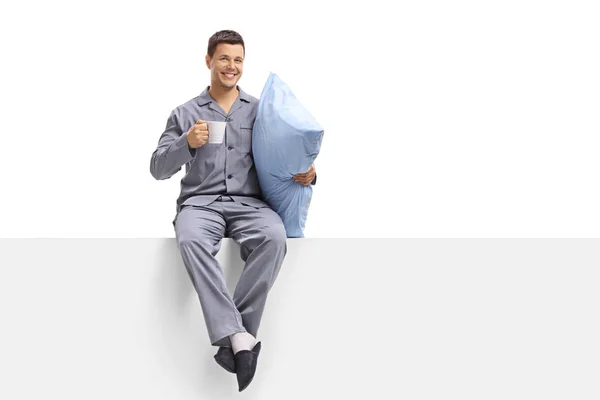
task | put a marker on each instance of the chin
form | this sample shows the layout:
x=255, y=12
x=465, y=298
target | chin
x=229, y=85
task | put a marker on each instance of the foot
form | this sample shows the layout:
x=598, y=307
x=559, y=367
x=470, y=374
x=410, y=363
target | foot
x=245, y=366
x=225, y=359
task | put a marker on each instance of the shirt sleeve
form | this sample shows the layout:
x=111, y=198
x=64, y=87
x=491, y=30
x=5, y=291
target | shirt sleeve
x=172, y=151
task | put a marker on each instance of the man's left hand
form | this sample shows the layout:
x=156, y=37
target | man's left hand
x=307, y=177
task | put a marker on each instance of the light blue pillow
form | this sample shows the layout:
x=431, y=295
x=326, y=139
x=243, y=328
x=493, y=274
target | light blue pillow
x=286, y=139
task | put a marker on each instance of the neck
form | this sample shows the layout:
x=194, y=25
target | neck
x=223, y=94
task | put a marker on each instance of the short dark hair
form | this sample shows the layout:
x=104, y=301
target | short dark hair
x=226, y=36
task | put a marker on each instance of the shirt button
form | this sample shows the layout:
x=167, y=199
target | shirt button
x=229, y=176
x=230, y=148
x=228, y=119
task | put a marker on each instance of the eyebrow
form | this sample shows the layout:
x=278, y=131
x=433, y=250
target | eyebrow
x=225, y=55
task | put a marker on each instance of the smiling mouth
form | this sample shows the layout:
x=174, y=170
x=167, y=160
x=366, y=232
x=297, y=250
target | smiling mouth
x=228, y=75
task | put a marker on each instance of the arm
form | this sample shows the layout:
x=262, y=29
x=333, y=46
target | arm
x=172, y=152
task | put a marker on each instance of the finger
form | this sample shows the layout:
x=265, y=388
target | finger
x=303, y=181
x=311, y=170
x=200, y=121
x=307, y=176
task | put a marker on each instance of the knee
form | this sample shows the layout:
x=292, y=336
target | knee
x=188, y=241
x=275, y=236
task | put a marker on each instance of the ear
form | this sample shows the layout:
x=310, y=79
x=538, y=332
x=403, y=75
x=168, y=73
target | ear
x=207, y=58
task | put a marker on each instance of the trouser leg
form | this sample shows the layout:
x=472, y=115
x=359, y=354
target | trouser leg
x=262, y=239
x=199, y=231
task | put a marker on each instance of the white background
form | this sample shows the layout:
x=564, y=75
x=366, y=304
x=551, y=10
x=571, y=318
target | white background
x=442, y=119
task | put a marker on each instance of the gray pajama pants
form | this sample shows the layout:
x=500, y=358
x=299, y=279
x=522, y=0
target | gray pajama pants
x=262, y=239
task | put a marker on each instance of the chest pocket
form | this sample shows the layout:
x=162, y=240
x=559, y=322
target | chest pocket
x=246, y=138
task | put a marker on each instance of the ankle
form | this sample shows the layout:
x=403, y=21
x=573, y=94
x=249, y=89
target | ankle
x=242, y=341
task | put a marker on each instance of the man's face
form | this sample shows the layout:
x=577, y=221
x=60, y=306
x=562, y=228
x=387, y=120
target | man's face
x=226, y=65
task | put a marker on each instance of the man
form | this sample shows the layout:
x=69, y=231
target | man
x=220, y=196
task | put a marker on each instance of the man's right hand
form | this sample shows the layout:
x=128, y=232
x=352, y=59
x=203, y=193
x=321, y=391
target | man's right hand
x=197, y=136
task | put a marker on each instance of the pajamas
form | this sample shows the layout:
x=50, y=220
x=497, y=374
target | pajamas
x=220, y=197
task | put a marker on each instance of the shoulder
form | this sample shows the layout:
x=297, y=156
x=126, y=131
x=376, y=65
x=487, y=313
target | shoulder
x=251, y=99
x=190, y=111
x=186, y=114
x=247, y=97
x=252, y=103
x=189, y=107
